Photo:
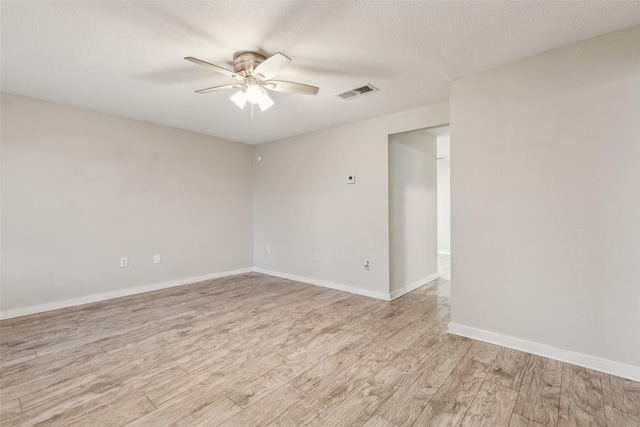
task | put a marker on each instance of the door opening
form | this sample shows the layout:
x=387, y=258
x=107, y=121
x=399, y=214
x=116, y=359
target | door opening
x=419, y=218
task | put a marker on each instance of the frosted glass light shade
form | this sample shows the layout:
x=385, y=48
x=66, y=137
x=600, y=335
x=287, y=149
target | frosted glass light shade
x=240, y=99
x=265, y=102
x=253, y=93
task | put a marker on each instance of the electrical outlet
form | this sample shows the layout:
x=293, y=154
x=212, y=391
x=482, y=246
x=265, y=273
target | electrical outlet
x=316, y=257
x=367, y=264
x=268, y=250
x=156, y=259
x=124, y=262
x=351, y=179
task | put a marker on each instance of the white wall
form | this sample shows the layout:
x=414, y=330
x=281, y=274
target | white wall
x=546, y=203
x=81, y=189
x=444, y=195
x=413, y=211
x=303, y=205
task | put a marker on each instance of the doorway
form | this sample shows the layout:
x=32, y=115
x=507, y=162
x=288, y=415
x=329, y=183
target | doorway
x=419, y=218
x=443, y=166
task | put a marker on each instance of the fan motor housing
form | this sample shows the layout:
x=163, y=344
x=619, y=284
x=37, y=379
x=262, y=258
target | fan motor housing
x=245, y=62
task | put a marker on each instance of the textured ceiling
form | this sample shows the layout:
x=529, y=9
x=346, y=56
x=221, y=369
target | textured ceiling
x=125, y=58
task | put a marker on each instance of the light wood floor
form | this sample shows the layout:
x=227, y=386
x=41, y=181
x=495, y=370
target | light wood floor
x=257, y=350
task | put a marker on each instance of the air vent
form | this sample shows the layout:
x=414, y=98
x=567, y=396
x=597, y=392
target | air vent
x=354, y=93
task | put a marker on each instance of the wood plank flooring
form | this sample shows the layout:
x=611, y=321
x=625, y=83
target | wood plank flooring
x=254, y=350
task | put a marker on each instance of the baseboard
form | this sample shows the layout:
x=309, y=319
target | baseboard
x=325, y=284
x=414, y=285
x=8, y=314
x=591, y=362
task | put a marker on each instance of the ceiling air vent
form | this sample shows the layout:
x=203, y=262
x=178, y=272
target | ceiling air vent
x=354, y=93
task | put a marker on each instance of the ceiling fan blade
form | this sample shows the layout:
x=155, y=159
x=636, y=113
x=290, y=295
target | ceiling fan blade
x=215, y=67
x=218, y=88
x=290, y=87
x=271, y=66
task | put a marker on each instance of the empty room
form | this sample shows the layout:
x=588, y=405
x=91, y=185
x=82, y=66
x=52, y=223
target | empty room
x=326, y=213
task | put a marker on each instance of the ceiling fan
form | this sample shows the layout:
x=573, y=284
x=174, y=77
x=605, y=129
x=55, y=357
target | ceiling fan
x=254, y=71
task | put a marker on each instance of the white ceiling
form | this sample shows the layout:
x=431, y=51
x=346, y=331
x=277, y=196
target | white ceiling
x=125, y=58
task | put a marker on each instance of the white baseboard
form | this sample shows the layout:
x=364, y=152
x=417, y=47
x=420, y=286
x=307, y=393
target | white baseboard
x=7, y=314
x=39, y=308
x=414, y=285
x=325, y=284
x=591, y=362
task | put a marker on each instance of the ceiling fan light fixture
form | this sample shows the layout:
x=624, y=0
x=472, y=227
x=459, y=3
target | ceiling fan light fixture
x=255, y=71
x=240, y=99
